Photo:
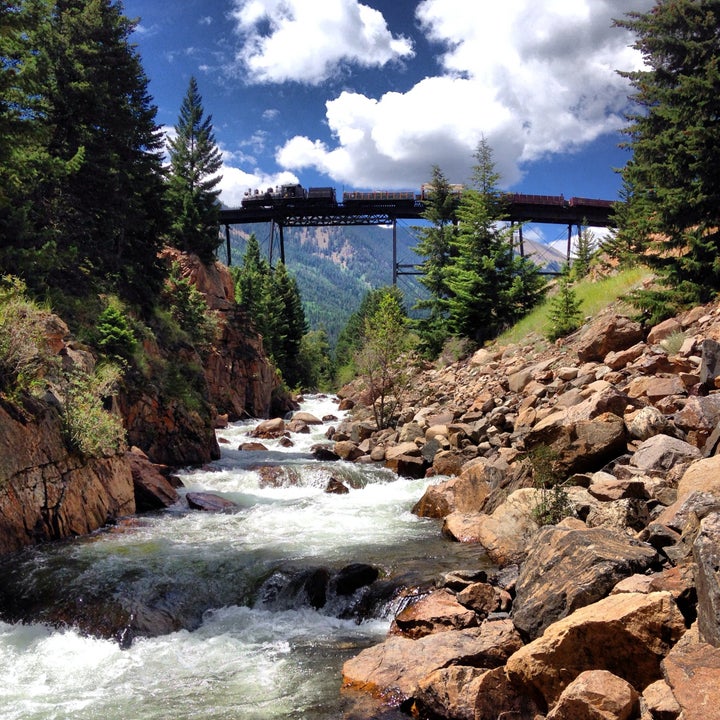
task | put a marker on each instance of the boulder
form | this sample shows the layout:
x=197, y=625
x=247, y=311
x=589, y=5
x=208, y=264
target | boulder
x=664, y=330
x=627, y=634
x=269, y=429
x=692, y=669
x=606, y=334
x=596, y=695
x=505, y=533
x=209, y=502
x=306, y=417
x=412, y=466
x=568, y=569
x=662, y=452
x=449, y=692
x=394, y=669
x=706, y=552
x=710, y=364
x=347, y=450
x=497, y=697
x=437, y=612
x=660, y=701
x=153, y=491
x=647, y=422
x=463, y=494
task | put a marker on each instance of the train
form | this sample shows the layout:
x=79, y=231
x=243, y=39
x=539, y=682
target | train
x=295, y=195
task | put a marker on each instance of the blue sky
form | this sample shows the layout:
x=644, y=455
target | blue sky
x=369, y=95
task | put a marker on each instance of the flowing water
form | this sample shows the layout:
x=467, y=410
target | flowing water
x=254, y=646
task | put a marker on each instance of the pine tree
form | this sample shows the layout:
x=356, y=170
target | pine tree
x=489, y=286
x=586, y=246
x=192, y=194
x=672, y=182
x=106, y=219
x=252, y=280
x=564, y=311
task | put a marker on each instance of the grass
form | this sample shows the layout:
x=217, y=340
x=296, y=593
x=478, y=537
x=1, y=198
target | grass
x=593, y=296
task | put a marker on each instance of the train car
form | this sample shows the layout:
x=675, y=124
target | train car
x=281, y=195
x=589, y=202
x=524, y=199
x=380, y=198
x=427, y=189
x=321, y=196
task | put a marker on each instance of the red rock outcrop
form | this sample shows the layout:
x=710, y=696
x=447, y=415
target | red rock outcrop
x=48, y=493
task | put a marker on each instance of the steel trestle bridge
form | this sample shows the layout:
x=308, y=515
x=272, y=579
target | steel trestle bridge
x=292, y=206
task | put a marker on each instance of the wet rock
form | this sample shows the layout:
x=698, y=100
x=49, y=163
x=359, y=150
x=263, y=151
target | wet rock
x=209, y=502
x=347, y=450
x=596, y=695
x=269, y=429
x=569, y=569
x=324, y=452
x=353, y=577
x=252, y=447
x=153, y=491
x=306, y=417
x=438, y=612
x=626, y=634
x=277, y=476
x=336, y=487
x=406, y=465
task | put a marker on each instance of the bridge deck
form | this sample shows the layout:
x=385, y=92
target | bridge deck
x=520, y=208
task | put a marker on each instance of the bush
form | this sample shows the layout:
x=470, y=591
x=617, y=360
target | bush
x=553, y=503
x=89, y=428
x=114, y=333
x=25, y=357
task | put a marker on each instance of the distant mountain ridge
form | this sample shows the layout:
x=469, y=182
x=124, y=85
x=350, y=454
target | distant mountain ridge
x=336, y=266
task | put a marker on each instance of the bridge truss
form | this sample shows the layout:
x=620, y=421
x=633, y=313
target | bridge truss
x=521, y=209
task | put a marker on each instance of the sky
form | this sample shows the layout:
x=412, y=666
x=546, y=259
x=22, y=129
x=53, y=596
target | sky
x=370, y=95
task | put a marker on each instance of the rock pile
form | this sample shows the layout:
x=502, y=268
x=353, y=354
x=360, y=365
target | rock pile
x=587, y=471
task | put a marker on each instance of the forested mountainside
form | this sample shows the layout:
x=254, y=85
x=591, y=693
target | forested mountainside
x=335, y=266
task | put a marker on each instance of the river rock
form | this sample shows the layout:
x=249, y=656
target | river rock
x=505, y=533
x=354, y=576
x=209, y=502
x=306, y=417
x=336, y=487
x=153, y=491
x=569, y=569
x=412, y=466
x=394, y=669
x=252, y=447
x=692, y=670
x=347, y=450
x=437, y=612
x=596, y=695
x=269, y=429
x=497, y=697
x=462, y=494
x=626, y=634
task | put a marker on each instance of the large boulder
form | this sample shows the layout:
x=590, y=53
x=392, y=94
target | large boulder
x=607, y=334
x=505, y=533
x=596, y=695
x=706, y=552
x=692, y=669
x=627, y=634
x=568, y=569
x=661, y=452
x=464, y=494
x=394, y=669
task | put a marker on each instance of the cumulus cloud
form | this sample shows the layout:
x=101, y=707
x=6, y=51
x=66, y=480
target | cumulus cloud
x=306, y=42
x=236, y=182
x=533, y=78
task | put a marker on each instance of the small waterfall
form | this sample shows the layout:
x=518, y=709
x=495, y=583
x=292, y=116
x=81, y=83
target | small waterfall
x=241, y=614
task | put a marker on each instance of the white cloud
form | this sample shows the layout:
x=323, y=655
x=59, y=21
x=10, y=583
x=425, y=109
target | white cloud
x=306, y=41
x=236, y=182
x=533, y=78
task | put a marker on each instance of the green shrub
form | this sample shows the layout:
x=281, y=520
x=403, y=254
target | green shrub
x=89, y=428
x=25, y=357
x=553, y=503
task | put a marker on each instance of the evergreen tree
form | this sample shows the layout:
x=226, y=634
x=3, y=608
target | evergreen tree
x=672, y=183
x=252, y=281
x=316, y=360
x=489, y=286
x=192, y=194
x=564, y=312
x=435, y=246
x=586, y=246
x=106, y=219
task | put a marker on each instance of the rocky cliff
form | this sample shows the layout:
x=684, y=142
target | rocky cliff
x=48, y=492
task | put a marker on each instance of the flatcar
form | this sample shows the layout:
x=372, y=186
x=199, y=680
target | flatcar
x=523, y=199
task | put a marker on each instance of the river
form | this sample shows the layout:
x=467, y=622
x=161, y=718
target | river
x=252, y=647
